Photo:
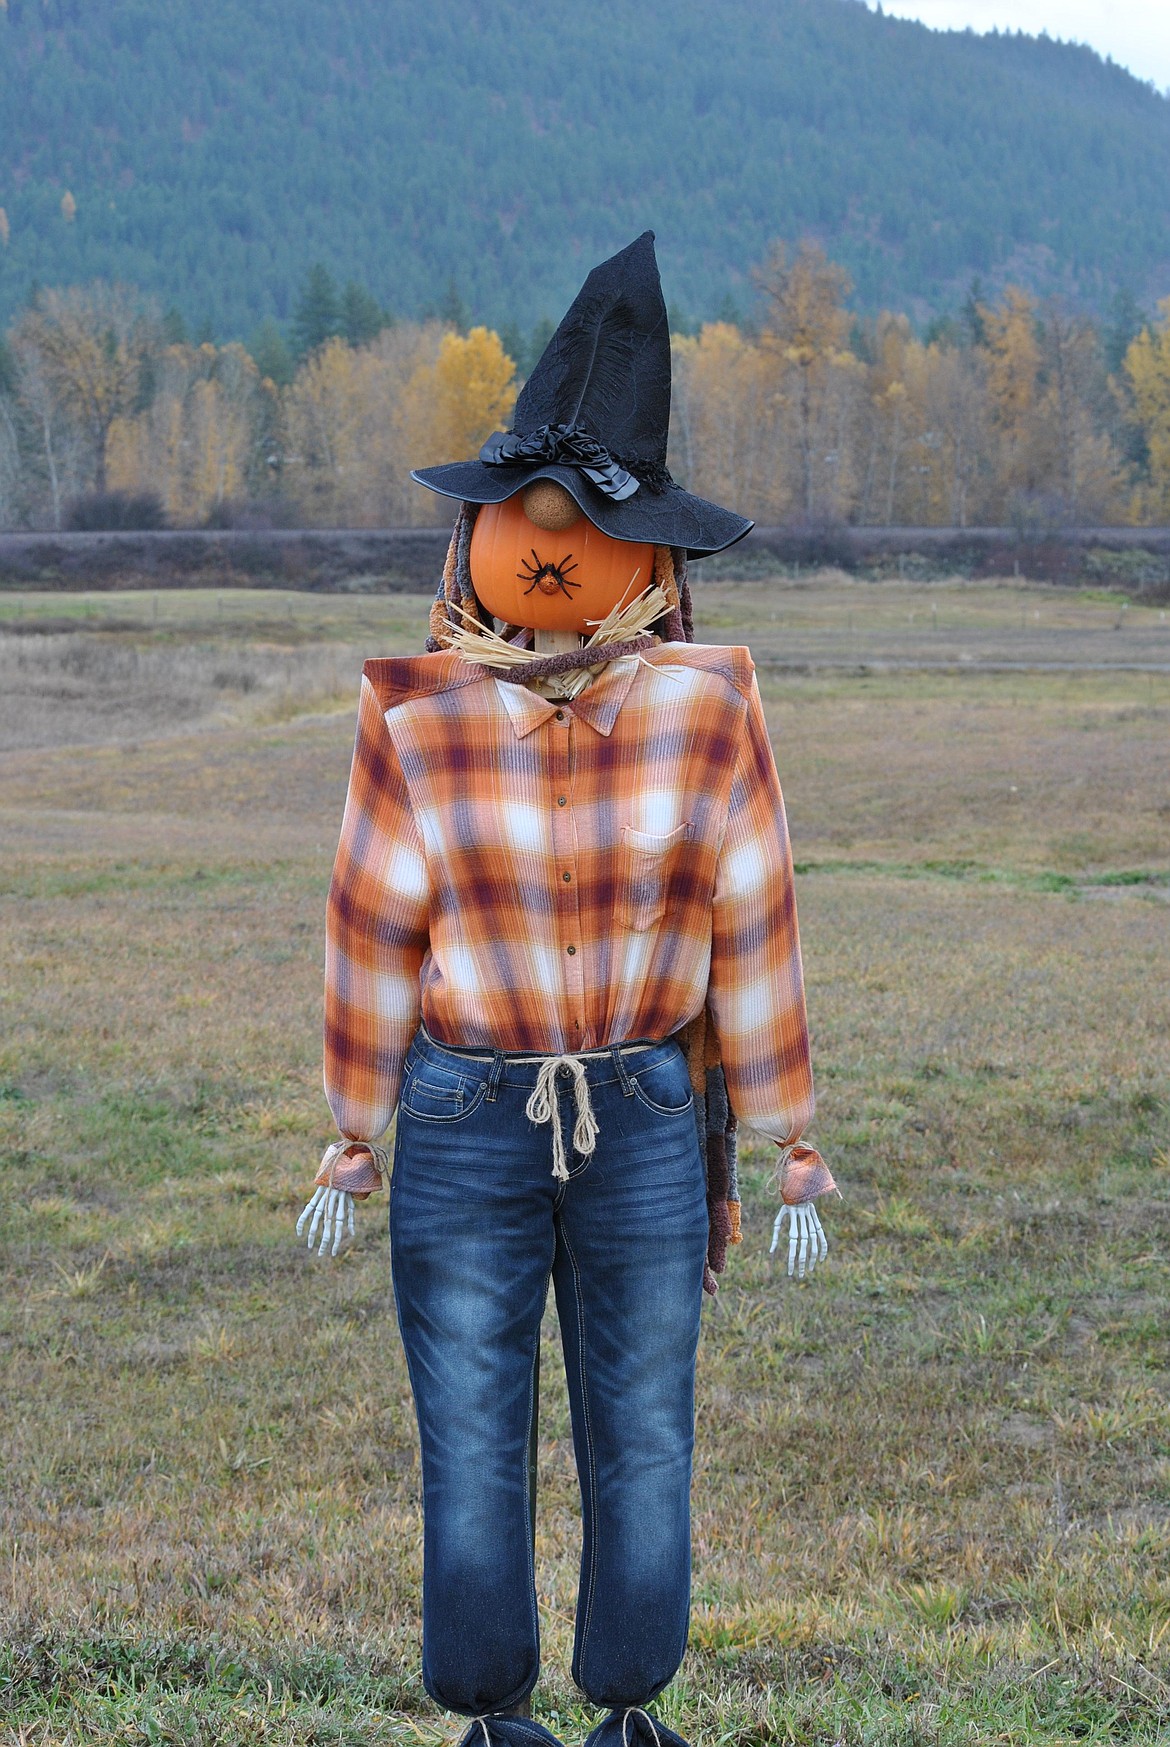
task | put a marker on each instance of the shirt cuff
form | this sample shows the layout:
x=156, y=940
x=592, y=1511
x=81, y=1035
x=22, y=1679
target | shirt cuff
x=804, y=1176
x=359, y=1174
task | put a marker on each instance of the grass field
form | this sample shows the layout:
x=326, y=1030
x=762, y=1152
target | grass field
x=932, y=1498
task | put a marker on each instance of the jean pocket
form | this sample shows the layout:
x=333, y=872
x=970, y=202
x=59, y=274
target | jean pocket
x=665, y=1087
x=435, y=1094
x=645, y=863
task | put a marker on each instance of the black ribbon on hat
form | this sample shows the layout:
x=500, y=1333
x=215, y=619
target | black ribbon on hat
x=571, y=446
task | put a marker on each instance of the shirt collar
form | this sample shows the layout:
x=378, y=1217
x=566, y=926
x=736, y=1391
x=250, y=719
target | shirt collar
x=598, y=704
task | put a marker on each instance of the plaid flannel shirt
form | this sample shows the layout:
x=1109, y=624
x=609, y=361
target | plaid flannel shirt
x=529, y=874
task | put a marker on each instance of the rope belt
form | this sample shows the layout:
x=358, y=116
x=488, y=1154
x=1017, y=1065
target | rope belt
x=542, y=1107
x=542, y=1103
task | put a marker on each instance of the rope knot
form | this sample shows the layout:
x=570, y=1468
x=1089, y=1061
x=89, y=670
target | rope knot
x=632, y=1710
x=542, y=1107
x=379, y=1155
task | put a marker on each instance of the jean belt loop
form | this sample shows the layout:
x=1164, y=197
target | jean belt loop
x=495, y=1076
x=619, y=1064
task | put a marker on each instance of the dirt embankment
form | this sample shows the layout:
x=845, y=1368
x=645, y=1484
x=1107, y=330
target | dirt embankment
x=388, y=560
x=325, y=560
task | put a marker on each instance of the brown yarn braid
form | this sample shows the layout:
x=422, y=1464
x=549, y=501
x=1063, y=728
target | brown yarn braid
x=717, y=1126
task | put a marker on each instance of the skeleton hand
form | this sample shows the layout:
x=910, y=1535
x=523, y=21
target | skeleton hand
x=332, y=1209
x=807, y=1243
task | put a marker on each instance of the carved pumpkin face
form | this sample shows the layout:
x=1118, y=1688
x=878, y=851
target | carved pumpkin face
x=556, y=573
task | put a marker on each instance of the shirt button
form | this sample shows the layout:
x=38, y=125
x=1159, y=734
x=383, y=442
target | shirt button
x=560, y=715
x=561, y=799
x=570, y=950
x=566, y=876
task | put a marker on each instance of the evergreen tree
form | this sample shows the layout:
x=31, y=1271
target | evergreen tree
x=538, y=339
x=452, y=309
x=974, y=322
x=174, y=328
x=1127, y=319
x=512, y=341
x=317, y=315
x=946, y=330
x=361, y=316
x=270, y=353
x=728, y=311
x=8, y=372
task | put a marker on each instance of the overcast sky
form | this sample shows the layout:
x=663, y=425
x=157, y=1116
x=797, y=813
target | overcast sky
x=1134, y=32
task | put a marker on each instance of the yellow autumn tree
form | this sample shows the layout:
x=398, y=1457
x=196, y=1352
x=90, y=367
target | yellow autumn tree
x=1013, y=380
x=89, y=344
x=1147, y=377
x=949, y=473
x=404, y=358
x=1082, y=469
x=358, y=419
x=449, y=404
x=191, y=444
x=324, y=421
x=722, y=410
x=475, y=388
x=220, y=419
x=888, y=423
x=817, y=379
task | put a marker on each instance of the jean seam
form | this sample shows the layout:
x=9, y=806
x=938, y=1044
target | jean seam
x=422, y=1482
x=528, y=1534
x=663, y=1109
x=477, y=1099
x=580, y=1303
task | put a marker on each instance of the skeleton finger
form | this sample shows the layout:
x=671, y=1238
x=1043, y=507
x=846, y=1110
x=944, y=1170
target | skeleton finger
x=327, y=1222
x=779, y=1221
x=814, y=1242
x=802, y=1249
x=339, y=1222
x=316, y=1196
x=320, y=1214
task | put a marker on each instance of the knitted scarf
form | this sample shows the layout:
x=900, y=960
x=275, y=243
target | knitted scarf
x=714, y=1120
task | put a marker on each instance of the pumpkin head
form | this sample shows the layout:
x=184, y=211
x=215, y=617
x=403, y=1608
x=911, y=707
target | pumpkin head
x=537, y=560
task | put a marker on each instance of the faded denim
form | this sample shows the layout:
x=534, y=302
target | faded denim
x=478, y=1225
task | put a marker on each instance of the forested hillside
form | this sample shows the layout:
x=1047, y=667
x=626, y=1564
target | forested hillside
x=209, y=153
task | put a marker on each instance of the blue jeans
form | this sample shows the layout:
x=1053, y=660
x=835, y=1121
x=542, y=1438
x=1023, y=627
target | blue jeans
x=478, y=1223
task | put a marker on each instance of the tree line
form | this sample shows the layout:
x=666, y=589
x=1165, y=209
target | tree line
x=1015, y=411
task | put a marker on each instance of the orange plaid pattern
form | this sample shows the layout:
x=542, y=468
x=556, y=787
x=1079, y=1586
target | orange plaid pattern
x=530, y=874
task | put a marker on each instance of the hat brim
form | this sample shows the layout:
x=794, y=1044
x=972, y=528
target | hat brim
x=672, y=517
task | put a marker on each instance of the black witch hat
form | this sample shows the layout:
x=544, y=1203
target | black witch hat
x=594, y=415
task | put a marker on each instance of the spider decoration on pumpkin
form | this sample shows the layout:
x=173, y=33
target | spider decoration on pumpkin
x=545, y=575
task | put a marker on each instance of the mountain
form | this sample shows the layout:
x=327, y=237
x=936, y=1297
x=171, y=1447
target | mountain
x=495, y=149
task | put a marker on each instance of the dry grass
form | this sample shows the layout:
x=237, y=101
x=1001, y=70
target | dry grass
x=933, y=1482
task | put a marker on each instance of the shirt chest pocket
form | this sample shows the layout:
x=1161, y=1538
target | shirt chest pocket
x=645, y=864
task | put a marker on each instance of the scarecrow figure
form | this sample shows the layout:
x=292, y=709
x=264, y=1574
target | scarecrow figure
x=561, y=941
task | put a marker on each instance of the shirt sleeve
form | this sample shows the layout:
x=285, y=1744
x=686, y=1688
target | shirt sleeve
x=756, y=990
x=376, y=937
